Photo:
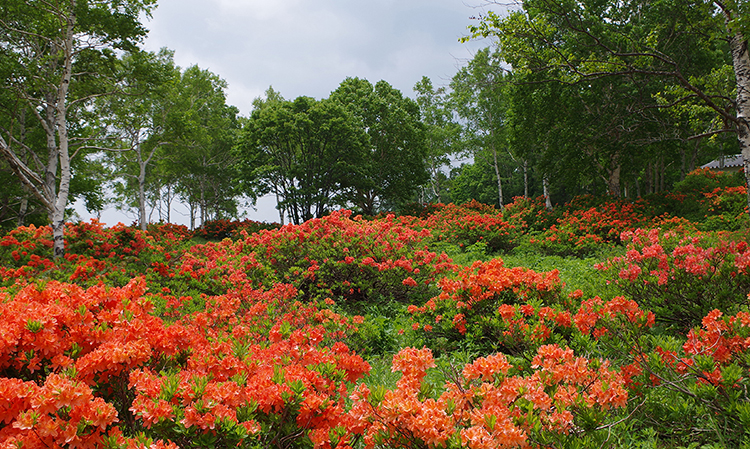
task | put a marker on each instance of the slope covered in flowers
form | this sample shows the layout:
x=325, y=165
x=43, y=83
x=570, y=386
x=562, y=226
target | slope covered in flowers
x=275, y=337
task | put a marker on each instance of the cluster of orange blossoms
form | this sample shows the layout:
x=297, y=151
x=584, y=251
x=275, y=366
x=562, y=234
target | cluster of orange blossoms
x=245, y=350
x=490, y=405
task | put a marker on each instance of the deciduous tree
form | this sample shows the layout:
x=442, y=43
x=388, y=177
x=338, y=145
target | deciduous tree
x=393, y=166
x=136, y=121
x=200, y=130
x=479, y=101
x=442, y=134
x=306, y=151
x=695, y=47
x=59, y=57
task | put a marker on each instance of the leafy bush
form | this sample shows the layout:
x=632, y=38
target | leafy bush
x=468, y=307
x=355, y=260
x=586, y=225
x=682, y=277
x=689, y=198
x=221, y=229
x=468, y=224
x=490, y=402
x=530, y=214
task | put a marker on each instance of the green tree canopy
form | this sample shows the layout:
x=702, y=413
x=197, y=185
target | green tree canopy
x=442, y=135
x=136, y=121
x=306, y=151
x=695, y=50
x=56, y=58
x=200, y=131
x=393, y=167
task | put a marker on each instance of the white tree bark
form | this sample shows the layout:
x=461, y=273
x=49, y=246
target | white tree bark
x=60, y=198
x=545, y=187
x=741, y=61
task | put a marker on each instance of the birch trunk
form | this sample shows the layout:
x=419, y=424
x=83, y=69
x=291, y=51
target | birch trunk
x=142, y=220
x=497, y=175
x=525, y=178
x=60, y=152
x=545, y=187
x=741, y=61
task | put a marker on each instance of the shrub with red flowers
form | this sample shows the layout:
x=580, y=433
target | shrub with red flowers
x=65, y=354
x=347, y=258
x=254, y=367
x=221, y=229
x=586, y=225
x=682, y=277
x=169, y=232
x=697, y=196
x=530, y=214
x=260, y=368
x=694, y=388
x=491, y=403
x=470, y=306
x=727, y=209
x=470, y=223
x=93, y=253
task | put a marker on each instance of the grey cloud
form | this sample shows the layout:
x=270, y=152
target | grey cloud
x=307, y=47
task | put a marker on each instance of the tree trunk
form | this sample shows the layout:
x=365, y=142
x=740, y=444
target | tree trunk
x=497, y=175
x=22, y=210
x=545, y=188
x=525, y=178
x=60, y=200
x=613, y=183
x=142, y=194
x=741, y=60
x=279, y=207
x=662, y=174
x=435, y=184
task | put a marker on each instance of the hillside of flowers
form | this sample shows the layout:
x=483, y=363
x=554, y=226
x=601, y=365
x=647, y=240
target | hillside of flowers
x=601, y=323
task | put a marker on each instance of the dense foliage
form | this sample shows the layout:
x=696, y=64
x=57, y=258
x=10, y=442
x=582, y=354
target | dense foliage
x=286, y=336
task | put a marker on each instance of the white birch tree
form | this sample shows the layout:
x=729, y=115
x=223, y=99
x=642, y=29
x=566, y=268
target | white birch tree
x=61, y=56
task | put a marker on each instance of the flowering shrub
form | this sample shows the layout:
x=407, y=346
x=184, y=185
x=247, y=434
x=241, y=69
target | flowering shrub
x=170, y=232
x=93, y=253
x=490, y=404
x=470, y=223
x=252, y=361
x=727, y=209
x=352, y=259
x=681, y=278
x=530, y=214
x=581, y=231
x=471, y=304
x=222, y=228
x=691, y=198
x=261, y=367
x=694, y=389
x=64, y=357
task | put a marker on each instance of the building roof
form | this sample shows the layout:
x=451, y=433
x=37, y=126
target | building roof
x=725, y=162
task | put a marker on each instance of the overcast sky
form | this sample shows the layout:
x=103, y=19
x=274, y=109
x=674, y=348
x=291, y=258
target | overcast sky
x=308, y=47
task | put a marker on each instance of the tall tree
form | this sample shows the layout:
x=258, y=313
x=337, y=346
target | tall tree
x=136, y=121
x=199, y=132
x=394, y=163
x=696, y=47
x=479, y=100
x=59, y=57
x=442, y=133
x=271, y=181
x=307, y=151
